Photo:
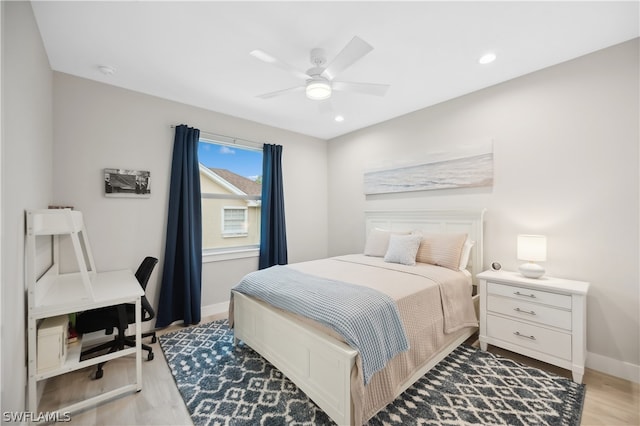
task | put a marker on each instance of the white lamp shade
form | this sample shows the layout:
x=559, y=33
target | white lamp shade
x=532, y=248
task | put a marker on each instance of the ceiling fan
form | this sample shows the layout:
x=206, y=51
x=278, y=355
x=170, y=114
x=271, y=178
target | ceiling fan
x=319, y=80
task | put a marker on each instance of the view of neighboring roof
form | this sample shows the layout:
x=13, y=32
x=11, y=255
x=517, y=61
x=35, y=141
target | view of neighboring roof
x=245, y=185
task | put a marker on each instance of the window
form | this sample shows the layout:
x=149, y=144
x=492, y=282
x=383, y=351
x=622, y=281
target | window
x=234, y=222
x=231, y=186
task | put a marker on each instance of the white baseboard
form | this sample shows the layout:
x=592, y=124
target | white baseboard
x=215, y=309
x=613, y=367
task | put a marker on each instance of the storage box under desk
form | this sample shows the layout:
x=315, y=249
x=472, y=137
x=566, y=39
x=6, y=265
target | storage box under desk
x=52, y=343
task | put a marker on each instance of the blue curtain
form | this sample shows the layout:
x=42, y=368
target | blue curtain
x=273, y=236
x=180, y=292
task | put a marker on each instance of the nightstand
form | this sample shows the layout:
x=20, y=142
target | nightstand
x=544, y=318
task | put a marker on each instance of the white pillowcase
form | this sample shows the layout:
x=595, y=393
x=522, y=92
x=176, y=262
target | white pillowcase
x=466, y=253
x=403, y=249
x=378, y=242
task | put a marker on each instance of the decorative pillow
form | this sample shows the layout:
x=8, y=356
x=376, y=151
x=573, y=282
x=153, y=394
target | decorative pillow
x=402, y=249
x=378, y=242
x=442, y=250
x=466, y=253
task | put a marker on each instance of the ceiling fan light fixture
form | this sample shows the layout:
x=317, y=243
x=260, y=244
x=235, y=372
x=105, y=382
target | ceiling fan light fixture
x=318, y=90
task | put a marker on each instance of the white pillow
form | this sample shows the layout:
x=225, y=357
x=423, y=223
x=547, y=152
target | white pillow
x=378, y=242
x=466, y=253
x=403, y=249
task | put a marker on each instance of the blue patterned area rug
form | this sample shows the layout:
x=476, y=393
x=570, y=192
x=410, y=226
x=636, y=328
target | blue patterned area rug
x=226, y=385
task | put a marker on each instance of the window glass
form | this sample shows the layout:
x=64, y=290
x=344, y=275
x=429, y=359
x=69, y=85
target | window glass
x=235, y=222
x=231, y=186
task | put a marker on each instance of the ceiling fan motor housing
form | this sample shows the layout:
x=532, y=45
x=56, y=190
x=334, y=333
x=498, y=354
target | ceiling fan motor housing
x=318, y=57
x=315, y=72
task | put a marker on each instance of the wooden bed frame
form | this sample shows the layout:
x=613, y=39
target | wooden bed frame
x=319, y=364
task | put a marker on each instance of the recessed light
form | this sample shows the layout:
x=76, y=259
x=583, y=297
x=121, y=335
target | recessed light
x=487, y=58
x=106, y=70
x=339, y=118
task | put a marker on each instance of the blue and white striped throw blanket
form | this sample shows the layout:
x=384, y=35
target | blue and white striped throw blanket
x=368, y=320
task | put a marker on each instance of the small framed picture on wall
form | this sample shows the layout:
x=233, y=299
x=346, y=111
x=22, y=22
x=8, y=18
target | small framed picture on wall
x=127, y=183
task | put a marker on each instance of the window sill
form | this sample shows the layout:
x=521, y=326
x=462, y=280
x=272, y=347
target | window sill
x=230, y=254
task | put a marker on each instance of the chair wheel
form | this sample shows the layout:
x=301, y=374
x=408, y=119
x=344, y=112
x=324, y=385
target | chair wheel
x=154, y=339
x=99, y=374
x=150, y=356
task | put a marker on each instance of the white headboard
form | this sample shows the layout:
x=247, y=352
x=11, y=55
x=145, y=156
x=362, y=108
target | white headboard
x=435, y=222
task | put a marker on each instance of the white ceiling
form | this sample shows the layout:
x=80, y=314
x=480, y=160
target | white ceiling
x=198, y=52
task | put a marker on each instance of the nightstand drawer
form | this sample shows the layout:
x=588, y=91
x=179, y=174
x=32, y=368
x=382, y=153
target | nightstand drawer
x=550, y=342
x=528, y=311
x=552, y=299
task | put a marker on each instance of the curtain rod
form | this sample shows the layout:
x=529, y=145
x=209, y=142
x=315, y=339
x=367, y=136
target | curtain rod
x=233, y=139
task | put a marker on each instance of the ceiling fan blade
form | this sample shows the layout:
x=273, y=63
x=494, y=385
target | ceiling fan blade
x=265, y=57
x=353, y=51
x=365, y=88
x=281, y=92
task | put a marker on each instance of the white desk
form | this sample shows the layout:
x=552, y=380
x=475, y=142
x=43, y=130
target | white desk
x=64, y=294
x=51, y=293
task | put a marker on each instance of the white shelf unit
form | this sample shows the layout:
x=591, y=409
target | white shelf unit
x=51, y=293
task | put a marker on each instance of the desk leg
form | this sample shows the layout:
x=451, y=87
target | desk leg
x=32, y=383
x=138, y=345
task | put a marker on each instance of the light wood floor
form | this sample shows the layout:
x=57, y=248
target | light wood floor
x=608, y=401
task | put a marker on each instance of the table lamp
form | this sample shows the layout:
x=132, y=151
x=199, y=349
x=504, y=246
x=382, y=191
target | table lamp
x=532, y=248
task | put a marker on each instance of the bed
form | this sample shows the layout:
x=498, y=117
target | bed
x=319, y=361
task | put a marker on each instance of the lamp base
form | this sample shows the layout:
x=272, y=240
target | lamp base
x=531, y=270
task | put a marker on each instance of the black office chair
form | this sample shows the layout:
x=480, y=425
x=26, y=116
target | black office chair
x=119, y=317
x=142, y=275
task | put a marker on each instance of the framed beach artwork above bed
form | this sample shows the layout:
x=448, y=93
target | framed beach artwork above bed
x=465, y=167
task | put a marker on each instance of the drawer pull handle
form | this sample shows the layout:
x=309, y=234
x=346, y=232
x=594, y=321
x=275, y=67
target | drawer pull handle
x=517, y=293
x=517, y=333
x=524, y=312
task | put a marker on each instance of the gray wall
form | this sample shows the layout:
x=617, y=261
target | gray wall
x=100, y=126
x=26, y=177
x=565, y=143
